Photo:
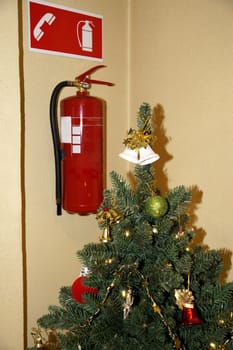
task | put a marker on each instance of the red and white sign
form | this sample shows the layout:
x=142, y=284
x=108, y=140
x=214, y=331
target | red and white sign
x=64, y=31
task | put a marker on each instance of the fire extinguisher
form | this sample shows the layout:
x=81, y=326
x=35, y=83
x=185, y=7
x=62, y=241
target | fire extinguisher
x=78, y=146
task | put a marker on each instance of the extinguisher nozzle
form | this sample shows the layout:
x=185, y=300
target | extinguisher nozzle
x=58, y=209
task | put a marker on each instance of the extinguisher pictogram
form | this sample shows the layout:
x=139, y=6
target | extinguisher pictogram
x=85, y=35
x=78, y=146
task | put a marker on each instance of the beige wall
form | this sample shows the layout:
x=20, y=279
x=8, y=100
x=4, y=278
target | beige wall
x=181, y=59
x=11, y=291
x=179, y=56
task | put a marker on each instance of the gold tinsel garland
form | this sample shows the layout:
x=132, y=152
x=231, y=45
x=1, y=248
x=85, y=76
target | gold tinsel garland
x=137, y=139
x=145, y=285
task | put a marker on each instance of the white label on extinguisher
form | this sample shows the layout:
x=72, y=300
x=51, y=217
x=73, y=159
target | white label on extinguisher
x=71, y=134
x=76, y=139
x=66, y=129
x=76, y=149
x=76, y=130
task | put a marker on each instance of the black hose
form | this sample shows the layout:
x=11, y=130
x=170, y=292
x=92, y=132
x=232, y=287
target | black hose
x=56, y=141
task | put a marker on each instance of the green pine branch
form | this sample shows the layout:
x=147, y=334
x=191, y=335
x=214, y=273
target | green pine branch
x=124, y=196
x=144, y=117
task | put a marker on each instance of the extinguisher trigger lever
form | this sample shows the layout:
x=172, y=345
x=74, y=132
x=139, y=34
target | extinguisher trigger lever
x=84, y=75
x=91, y=81
x=84, y=78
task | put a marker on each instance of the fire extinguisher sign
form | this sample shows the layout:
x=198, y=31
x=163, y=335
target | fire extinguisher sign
x=56, y=29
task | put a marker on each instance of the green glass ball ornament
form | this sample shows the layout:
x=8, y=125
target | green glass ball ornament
x=156, y=206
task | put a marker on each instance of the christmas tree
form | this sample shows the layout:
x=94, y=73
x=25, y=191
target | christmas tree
x=145, y=284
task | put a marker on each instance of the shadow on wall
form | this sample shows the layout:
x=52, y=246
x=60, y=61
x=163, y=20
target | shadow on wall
x=161, y=141
x=160, y=167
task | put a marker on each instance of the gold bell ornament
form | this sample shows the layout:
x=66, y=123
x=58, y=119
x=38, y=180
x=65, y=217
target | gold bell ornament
x=109, y=216
x=38, y=338
x=41, y=343
x=106, y=236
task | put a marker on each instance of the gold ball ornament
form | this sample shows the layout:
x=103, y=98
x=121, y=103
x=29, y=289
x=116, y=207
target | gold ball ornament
x=156, y=206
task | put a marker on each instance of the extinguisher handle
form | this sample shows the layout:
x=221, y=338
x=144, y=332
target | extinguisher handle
x=56, y=141
x=84, y=77
x=91, y=81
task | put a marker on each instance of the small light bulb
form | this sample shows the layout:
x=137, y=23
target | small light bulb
x=127, y=233
x=123, y=293
x=108, y=261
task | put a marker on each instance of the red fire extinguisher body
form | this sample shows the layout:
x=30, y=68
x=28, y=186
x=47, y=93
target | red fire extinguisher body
x=79, y=146
x=82, y=134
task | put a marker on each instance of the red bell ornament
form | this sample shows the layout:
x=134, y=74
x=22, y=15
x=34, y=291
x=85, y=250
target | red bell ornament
x=79, y=288
x=190, y=316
